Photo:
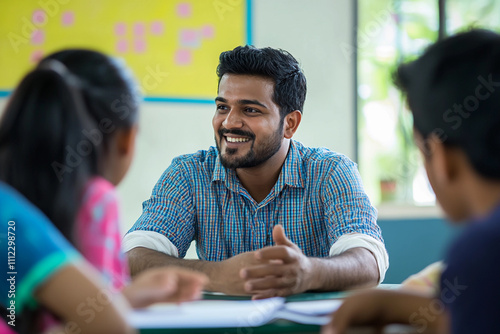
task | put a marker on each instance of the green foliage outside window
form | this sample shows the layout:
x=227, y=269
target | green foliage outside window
x=391, y=32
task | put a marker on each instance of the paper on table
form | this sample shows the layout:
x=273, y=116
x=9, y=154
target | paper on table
x=316, y=312
x=314, y=307
x=232, y=313
x=208, y=313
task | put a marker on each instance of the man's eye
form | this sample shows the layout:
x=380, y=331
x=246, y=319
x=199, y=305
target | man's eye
x=221, y=107
x=252, y=110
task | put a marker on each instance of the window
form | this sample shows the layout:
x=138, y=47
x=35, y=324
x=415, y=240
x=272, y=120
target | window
x=391, y=32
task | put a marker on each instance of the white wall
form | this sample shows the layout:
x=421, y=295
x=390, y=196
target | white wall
x=312, y=30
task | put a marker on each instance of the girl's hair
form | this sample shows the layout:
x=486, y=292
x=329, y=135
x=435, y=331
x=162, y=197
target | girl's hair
x=110, y=92
x=44, y=118
x=58, y=123
x=453, y=91
x=42, y=123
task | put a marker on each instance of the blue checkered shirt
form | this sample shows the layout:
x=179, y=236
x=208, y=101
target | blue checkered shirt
x=318, y=198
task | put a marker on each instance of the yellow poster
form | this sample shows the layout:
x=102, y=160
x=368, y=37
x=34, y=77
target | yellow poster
x=172, y=46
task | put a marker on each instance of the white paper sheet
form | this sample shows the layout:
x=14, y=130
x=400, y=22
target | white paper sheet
x=232, y=313
x=315, y=312
x=208, y=313
x=314, y=307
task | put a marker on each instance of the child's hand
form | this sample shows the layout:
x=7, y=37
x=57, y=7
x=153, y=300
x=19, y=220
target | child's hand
x=378, y=308
x=164, y=285
x=365, y=308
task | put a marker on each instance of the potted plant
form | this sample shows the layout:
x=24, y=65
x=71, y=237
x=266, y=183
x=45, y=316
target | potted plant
x=389, y=174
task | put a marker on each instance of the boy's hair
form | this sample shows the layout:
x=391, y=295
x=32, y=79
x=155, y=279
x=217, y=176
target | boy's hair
x=57, y=124
x=278, y=65
x=453, y=91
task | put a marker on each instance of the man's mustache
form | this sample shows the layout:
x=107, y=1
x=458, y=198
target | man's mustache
x=236, y=132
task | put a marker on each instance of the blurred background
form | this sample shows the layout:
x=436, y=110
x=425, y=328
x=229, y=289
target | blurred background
x=348, y=50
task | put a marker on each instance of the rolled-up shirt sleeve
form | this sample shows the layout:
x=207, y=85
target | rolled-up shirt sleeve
x=376, y=247
x=168, y=215
x=151, y=240
x=352, y=220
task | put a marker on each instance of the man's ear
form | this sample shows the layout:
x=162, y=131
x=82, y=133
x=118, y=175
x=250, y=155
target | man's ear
x=125, y=139
x=291, y=123
x=443, y=160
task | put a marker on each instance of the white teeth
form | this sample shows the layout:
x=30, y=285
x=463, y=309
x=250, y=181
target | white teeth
x=237, y=140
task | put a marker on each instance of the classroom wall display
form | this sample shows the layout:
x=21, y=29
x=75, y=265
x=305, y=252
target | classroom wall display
x=172, y=46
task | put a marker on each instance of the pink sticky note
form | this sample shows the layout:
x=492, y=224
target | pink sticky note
x=189, y=38
x=184, y=10
x=121, y=46
x=36, y=56
x=68, y=18
x=140, y=45
x=139, y=29
x=38, y=37
x=157, y=28
x=120, y=29
x=183, y=57
x=39, y=17
x=189, y=35
x=208, y=31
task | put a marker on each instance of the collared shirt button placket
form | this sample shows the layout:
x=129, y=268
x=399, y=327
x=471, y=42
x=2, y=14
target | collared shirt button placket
x=256, y=229
x=260, y=228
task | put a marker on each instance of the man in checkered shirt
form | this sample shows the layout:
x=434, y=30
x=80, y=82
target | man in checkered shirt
x=270, y=216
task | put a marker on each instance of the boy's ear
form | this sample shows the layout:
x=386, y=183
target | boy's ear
x=125, y=139
x=444, y=161
x=291, y=123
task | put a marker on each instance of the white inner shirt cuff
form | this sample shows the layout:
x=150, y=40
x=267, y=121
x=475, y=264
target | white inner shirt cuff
x=354, y=240
x=149, y=239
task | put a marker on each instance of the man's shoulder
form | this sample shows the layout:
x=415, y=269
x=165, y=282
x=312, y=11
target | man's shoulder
x=321, y=155
x=204, y=160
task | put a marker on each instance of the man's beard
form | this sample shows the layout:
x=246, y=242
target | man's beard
x=255, y=156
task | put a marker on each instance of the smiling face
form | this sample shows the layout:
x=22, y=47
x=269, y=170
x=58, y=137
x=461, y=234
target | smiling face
x=247, y=124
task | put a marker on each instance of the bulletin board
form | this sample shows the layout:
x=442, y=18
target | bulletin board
x=172, y=46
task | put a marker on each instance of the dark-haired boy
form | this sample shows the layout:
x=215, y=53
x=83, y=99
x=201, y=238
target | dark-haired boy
x=463, y=166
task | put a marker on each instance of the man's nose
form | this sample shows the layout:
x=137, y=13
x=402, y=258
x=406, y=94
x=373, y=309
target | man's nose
x=233, y=120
